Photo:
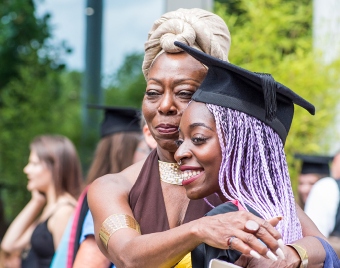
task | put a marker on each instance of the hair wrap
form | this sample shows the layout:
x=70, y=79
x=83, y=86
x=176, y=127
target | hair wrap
x=195, y=27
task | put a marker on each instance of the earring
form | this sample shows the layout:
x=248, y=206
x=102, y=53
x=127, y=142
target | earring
x=179, y=162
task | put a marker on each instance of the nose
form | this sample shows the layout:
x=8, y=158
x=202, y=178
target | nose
x=167, y=105
x=26, y=169
x=182, y=154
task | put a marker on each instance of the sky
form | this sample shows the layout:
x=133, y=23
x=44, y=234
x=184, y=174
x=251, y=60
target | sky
x=125, y=27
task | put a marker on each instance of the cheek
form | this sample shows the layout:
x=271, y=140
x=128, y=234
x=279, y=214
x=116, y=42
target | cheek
x=149, y=110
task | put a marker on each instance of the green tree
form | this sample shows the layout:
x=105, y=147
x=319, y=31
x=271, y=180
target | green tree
x=275, y=36
x=37, y=95
x=128, y=85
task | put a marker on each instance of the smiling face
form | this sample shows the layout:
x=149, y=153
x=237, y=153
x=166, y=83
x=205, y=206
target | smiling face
x=38, y=174
x=199, y=151
x=172, y=80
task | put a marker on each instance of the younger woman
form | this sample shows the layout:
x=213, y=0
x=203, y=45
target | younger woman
x=231, y=142
x=54, y=179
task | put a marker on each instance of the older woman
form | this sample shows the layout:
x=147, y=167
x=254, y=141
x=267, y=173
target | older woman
x=148, y=197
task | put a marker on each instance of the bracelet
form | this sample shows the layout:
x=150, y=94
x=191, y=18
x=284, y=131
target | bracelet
x=302, y=253
x=114, y=223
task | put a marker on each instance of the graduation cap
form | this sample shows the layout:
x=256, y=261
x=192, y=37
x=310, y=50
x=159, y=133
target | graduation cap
x=256, y=94
x=314, y=164
x=118, y=119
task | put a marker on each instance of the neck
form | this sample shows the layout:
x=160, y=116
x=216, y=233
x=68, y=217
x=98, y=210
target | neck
x=222, y=197
x=165, y=155
x=51, y=195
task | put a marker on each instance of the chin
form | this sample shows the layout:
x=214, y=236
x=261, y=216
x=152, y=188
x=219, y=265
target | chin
x=30, y=187
x=194, y=196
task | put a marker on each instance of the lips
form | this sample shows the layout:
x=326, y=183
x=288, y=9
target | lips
x=190, y=176
x=167, y=129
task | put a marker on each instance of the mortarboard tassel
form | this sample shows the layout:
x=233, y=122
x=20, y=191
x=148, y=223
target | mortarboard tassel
x=269, y=93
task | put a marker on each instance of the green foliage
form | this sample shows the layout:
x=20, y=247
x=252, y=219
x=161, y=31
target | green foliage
x=275, y=36
x=37, y=96
x=128, y=85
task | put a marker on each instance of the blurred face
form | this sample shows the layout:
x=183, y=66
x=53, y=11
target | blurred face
x=199, y=151
x=172, y=80
x=306, y=182
x=39, y=176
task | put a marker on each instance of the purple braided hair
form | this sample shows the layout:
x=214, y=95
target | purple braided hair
x=254, y=169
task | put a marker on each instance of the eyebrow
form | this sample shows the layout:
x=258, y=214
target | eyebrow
x=177, y=81
x=200, y=125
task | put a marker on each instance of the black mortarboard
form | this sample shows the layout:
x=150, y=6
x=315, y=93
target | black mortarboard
x=118, y=119
x=255, y=94
x=314, y=164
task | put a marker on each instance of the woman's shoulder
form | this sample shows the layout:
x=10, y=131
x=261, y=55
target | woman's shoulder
x=124, y=179
x=64, y=207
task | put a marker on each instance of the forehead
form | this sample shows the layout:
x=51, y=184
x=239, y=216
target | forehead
x=197, y=112
x=179, y=65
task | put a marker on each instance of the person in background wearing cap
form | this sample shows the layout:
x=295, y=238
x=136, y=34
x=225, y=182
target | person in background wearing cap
x=323, y=205
x=149, y=198
x=314, y=167
x=231, y=142
x=120, y=136
x=54, y=180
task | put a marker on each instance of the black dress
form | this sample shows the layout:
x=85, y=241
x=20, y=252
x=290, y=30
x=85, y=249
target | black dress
x=42, y=248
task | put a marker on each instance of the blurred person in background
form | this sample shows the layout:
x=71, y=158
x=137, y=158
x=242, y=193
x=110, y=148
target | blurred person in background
x=323, y=205
x=54, y=180
x=313, y=168
x=121, y=145
x=147, y=144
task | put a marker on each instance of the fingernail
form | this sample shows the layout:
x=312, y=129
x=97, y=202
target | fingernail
x=255, y=254
x=279, y=217
x=271, y=255
x=281, y=244
x=279, y=253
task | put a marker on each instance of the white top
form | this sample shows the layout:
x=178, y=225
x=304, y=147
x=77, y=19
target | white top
x=322, y=204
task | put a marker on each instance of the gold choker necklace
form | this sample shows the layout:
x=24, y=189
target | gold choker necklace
x=170, y=173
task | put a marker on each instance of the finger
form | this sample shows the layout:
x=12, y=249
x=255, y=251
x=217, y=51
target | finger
x=235, y=243
x=251, y=226
x=275, y=221
x=272, y=239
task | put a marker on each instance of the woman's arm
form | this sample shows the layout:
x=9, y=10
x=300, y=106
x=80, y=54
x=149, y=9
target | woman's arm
x=90, y=256
x=20, y=231
x=126, y=248
x=308, y=226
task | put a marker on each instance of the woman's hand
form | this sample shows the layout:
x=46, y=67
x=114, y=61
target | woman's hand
x=38, y=197
x=229, y=231
x=292, y=260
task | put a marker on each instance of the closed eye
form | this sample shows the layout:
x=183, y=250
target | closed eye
x=178, y=143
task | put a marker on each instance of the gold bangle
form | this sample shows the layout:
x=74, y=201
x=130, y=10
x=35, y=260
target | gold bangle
x=302, y=253
x=114, y=223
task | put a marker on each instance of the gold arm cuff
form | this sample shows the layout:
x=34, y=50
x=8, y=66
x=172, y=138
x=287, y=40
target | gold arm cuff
x=302, y=253
x=115, y=222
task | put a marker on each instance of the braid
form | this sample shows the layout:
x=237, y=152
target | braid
x=254, y=170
